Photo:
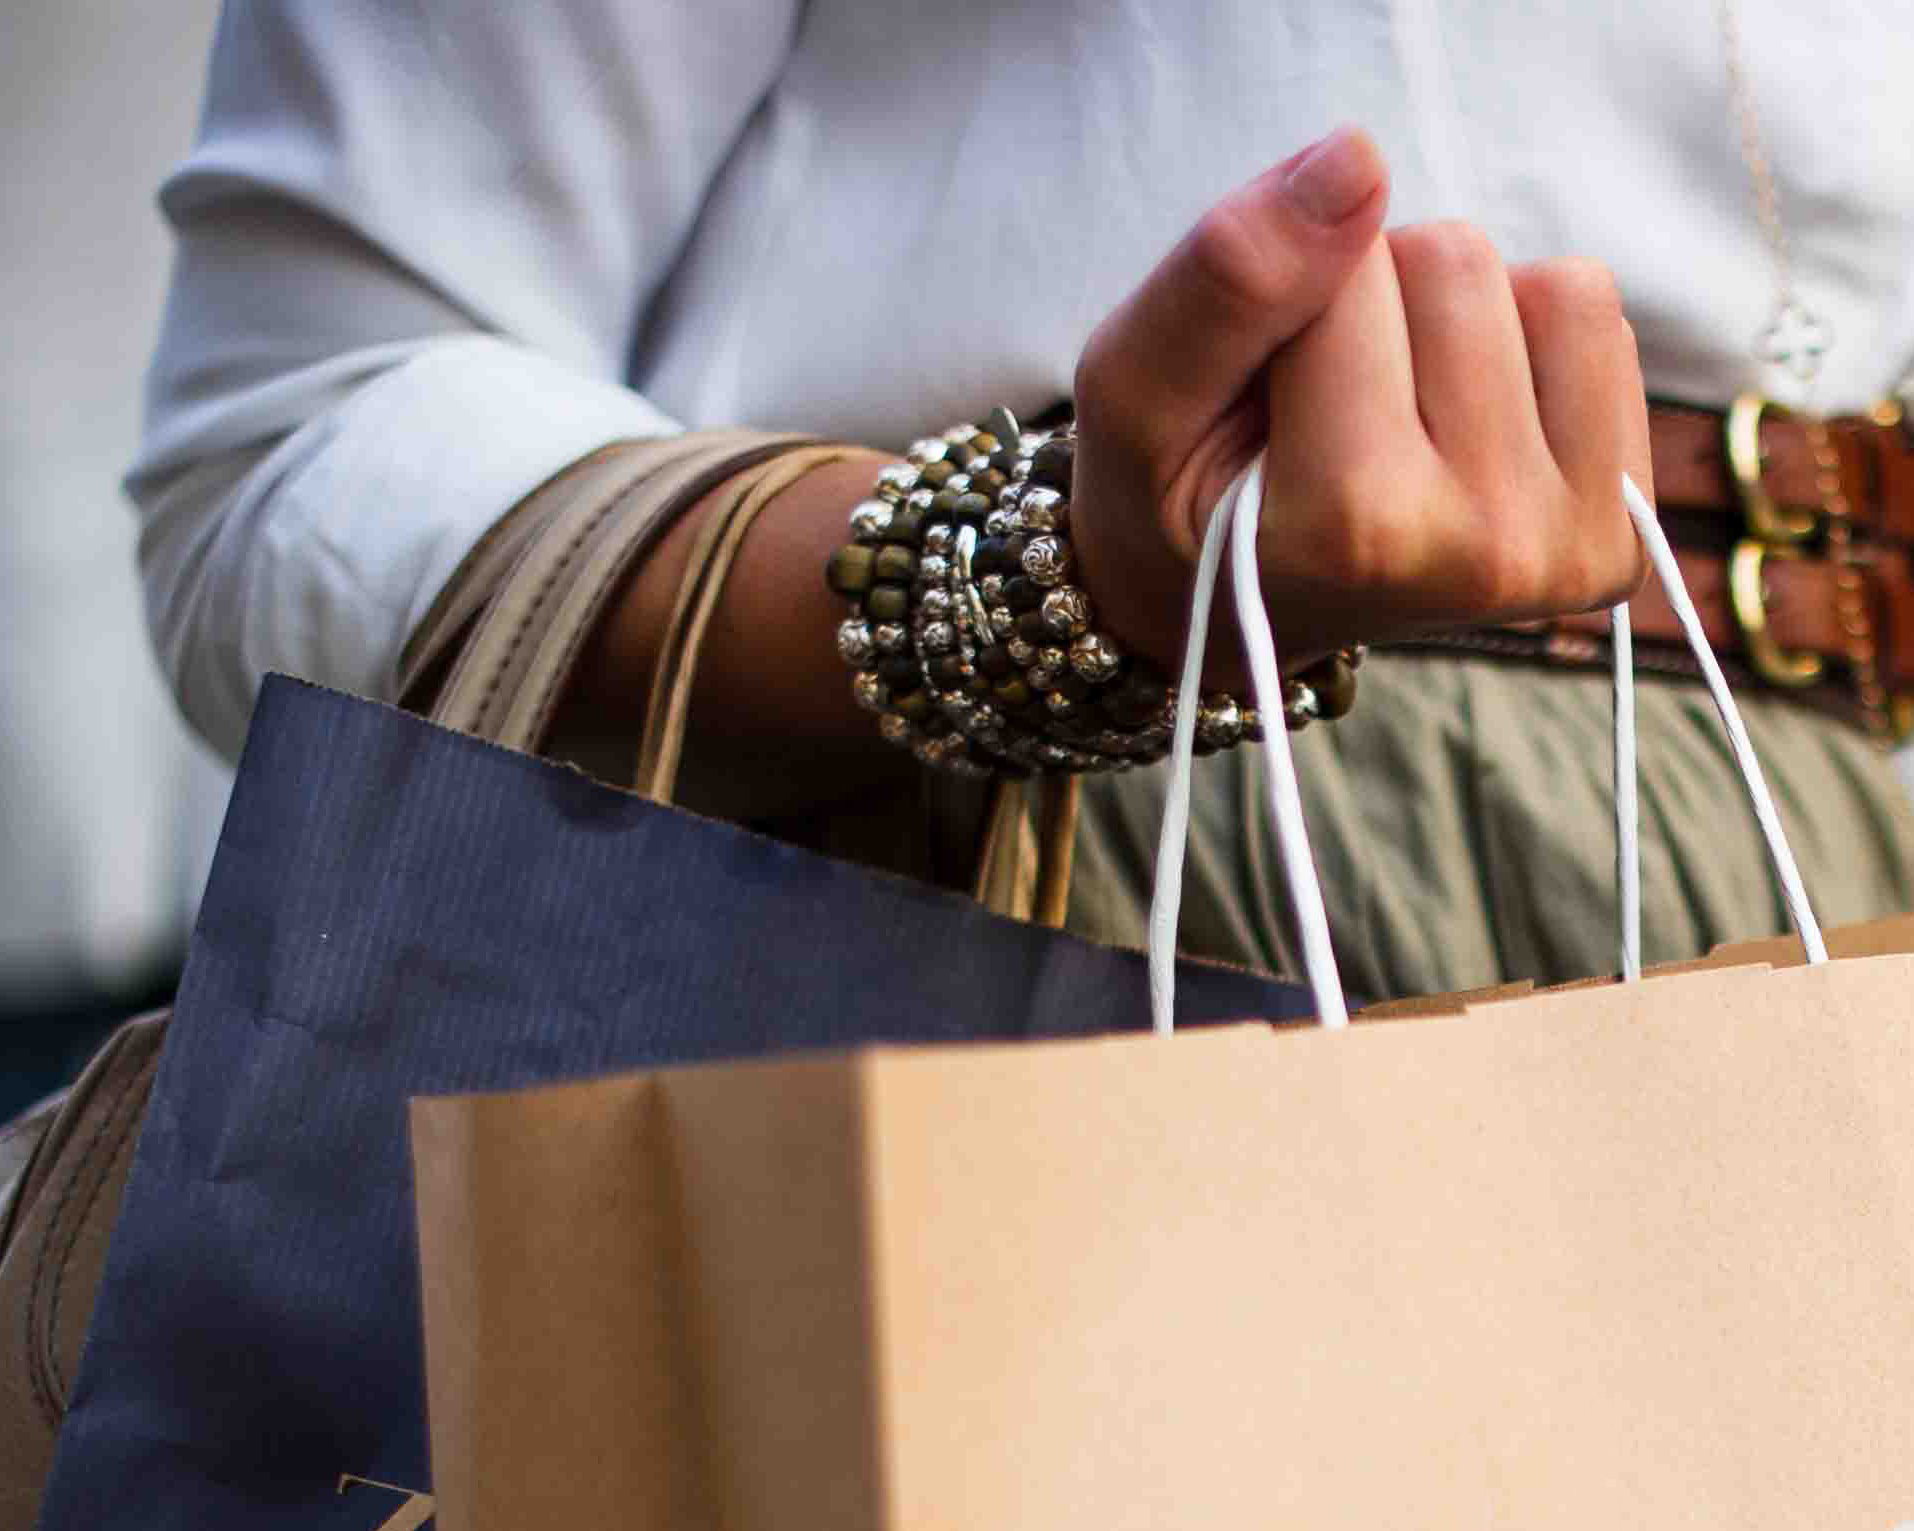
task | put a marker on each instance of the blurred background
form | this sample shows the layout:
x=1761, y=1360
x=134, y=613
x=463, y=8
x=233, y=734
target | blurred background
x=108, y=807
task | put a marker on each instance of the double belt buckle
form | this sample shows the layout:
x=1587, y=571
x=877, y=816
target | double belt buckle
x=1774, y=531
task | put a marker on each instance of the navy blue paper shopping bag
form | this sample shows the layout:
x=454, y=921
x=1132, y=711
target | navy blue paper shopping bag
x=396, y=909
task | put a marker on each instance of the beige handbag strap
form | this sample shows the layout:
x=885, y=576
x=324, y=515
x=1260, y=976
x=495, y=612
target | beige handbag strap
x=483, y=578
x=522, y=704
x=572, y=549
x=710, y=566
x=1029, y=849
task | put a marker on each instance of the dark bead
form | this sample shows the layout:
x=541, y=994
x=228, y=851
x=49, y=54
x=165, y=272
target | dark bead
x=989, y=483
x=916, y=706
x=899, y=672
x=936, y=475
x=887, y=603
x=995, y=662
x=1032, y=628
x=1004, y=460
x=943, y=505
x=1075, y=687
x=907, y=526
x=1052, y=464
x=1013, y=692
x=1013, y=552
x=1335, y=684
x=851, y=570
x=1130, y=710
x=1022, y=593
x=978, y=686
x=989, y=558
x=895, y=565
x=947, y=670
x=962, y=454
x=973, y=507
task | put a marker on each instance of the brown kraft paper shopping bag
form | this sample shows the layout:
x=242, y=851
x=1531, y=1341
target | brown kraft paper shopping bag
x=1630, y=1255
x=1619, y=1254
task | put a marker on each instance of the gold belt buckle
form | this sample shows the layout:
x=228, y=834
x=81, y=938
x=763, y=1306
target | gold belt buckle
x=1767, y=521
x=1772, y=532
x=1747, y=594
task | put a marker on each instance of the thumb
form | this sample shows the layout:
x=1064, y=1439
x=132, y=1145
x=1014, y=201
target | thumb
x=1173, y=358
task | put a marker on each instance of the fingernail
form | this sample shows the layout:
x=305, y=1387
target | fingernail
x=1334, y=178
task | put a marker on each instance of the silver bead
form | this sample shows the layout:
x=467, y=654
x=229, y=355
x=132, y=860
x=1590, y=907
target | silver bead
x=1051, y=666
x=1081, y=762
x=870, y=692
x=1066, y=612
x=936, y=605
x=870, y=520
x=895, y=481
x=1020, y=470
x=938, y=638
x=1047, y=560
x=991, y=587
x=1003, y=622
x=919, y=500
x=1029, y=441
x=895, y=729
x=890, y=637
x=1096, y=658
x=1219, y=722
x=855, y=645
x=963, y=765
x=1010, y=497
x=997, y=524
x=1037, y=509
x=937, y=540
x=1053, y=756
x=1021, y=654
x=1058, y=705
x=958, y=483
x=1301, y=705
x=933, y=569
x=931, y=449
x=960, y=433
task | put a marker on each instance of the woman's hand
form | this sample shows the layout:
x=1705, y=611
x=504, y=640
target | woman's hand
x=1446, y=436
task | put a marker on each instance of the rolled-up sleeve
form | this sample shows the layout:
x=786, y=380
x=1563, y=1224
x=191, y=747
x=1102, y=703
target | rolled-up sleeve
x=415, y=244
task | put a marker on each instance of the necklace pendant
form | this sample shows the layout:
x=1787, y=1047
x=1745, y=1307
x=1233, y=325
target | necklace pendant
x=1796, y=338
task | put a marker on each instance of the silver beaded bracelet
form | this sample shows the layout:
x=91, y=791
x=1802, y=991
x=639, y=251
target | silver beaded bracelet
x=973, y=646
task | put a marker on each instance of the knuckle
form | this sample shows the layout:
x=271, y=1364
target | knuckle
x=1234, y=259
x=1450, y=252
x=1573, y=291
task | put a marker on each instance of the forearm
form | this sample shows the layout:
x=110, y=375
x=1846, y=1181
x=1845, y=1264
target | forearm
x=773, y=730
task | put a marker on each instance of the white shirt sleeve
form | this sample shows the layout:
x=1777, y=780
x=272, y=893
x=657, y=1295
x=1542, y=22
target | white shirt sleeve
x=416, y=245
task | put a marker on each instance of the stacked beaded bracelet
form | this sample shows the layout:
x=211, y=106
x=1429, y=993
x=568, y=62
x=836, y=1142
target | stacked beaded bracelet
x=973, y=647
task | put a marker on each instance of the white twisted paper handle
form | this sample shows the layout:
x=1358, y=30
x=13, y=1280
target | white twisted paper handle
x=1238, y=515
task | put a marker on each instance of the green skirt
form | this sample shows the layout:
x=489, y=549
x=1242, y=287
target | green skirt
x=1462, y=820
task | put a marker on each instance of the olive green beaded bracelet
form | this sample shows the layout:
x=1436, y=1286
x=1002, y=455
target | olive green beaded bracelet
x=973, y=646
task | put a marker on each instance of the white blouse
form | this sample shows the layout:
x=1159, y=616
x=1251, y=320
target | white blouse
x=429, y=254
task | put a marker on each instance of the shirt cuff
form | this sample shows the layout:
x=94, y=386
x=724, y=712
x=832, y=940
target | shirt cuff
x=324, y=555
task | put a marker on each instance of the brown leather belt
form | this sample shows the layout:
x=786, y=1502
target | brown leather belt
x=1796, y=539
